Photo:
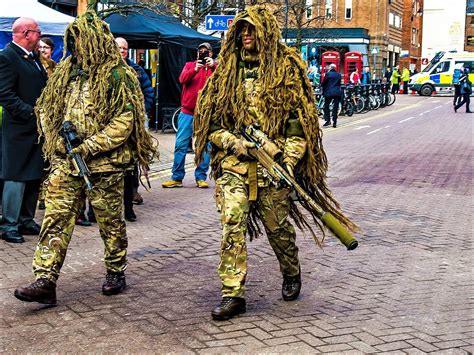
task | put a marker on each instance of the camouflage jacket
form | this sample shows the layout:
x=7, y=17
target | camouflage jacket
x=109, y=148
x=292, y=142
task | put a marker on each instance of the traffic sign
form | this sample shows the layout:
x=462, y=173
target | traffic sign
x=218, y=22
x=424, y=61
x=375, y=50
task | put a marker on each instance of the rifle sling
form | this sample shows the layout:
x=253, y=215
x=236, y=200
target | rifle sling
x=253, y=183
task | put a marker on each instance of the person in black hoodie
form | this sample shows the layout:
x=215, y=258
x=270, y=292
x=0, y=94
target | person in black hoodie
x=466, y=90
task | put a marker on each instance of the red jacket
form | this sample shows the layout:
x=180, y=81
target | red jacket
x=192, y=82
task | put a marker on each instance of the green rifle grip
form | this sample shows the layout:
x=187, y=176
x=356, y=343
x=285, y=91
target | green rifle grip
x=339, y=231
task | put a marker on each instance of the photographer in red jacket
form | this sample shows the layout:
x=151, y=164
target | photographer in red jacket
x=193, y=78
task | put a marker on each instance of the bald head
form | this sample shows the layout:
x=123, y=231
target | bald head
x=26, y=33
x=123, y=46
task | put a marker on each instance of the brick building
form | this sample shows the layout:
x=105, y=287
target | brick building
x=382, y=30
x=469, y=42
x=412, y=30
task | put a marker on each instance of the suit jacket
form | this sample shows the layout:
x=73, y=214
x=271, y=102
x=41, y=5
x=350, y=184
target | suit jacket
x=331, y=84
x=21, y=84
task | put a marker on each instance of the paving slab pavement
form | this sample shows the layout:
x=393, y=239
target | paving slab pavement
x=407, y=289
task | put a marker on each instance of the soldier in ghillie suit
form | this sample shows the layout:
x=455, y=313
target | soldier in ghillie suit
x=260, y=80
x=101, y=96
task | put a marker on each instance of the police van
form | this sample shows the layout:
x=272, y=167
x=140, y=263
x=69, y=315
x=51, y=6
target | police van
x=437, y=77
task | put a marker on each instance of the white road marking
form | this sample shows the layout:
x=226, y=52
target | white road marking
x=437, y=107
x=406, y=119
x=436, y=101
x=374, y=131
x=361, y=127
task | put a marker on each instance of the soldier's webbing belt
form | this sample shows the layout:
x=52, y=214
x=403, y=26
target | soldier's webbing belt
x=253, y=181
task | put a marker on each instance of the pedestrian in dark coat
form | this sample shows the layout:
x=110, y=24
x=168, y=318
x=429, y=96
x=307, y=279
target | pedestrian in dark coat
x=466, y=91
x=22, y=80
x=332, y=93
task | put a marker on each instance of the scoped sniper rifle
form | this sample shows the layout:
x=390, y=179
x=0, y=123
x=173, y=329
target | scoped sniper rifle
x=72, y=140
x=268, y=155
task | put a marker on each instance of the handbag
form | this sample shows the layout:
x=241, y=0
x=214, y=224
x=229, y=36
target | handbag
x=466, y=87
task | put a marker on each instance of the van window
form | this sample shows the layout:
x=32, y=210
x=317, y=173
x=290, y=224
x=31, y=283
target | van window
x=441, y=68
x=466, y=64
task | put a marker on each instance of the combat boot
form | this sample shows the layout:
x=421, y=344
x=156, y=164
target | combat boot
x=229, y=307
x=41, y=291
x=114, y=283
x=291, y=287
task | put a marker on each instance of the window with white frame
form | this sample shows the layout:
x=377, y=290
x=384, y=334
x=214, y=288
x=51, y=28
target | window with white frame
x=328, y=8
x=398, y=21
x=309, y=9
x=348, y=12
x=391, y=19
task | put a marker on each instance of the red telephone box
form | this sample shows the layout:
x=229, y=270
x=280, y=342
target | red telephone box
x=352, y=61
x=329, y=58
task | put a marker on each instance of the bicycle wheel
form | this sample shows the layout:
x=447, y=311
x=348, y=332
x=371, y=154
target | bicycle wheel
x=174, y=119
x=320, y=106
x=391, y=99
x=349, y=108
x=359, y=105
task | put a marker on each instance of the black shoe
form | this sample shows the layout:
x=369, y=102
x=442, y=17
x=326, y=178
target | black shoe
x=13, y=237
x=34, y=229
x=41, y=291
x=229, y=307
x=41, y=205
x=130, y=215
x=291, y=287
x=334, y=125
x=114, y=283
x=137, y=199
x=327, y=123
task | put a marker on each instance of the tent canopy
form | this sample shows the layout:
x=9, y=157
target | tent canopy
x=51, y=22
x=147, y=28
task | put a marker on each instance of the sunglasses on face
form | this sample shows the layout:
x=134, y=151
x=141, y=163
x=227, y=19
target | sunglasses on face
x=44, y=47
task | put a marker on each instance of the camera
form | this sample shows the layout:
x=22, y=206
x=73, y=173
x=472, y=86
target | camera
x=202, y=56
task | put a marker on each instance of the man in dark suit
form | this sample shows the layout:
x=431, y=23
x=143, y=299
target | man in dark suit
x=23, y=79
x=332, y=93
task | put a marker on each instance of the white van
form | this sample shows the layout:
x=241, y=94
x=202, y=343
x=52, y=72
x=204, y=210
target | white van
x=437, y=77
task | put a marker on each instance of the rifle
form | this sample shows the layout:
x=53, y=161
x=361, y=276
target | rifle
x=72, y=140
x=268, y=155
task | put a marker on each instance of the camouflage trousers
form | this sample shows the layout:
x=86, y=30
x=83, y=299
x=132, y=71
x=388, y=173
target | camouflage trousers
x=64, y=196
x=273, y=209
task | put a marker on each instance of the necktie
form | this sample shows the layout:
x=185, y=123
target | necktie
x=32, y=56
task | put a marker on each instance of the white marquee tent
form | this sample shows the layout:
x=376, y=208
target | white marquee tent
x=51, y=22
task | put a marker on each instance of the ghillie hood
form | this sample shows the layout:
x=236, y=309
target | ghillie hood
x=286, y=91
x=113, y=86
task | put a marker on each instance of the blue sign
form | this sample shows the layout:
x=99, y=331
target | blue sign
x=218, y=22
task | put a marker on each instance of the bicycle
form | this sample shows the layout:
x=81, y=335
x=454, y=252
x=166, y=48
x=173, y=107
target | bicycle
x=174, y=119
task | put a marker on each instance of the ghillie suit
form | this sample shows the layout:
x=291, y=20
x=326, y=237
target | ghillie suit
x=284, y=102
x=112, y=86
x=95, y=90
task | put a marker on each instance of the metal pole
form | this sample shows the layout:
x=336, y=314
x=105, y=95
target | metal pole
x=157, y=86
x=286, y=21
